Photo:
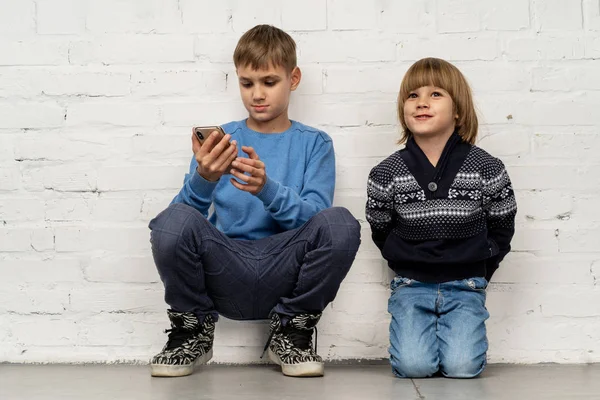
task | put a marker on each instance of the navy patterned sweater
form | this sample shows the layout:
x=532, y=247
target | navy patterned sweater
x=443, y=223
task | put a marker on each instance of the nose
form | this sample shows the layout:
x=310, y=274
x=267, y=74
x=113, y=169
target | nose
x=258, y=93
x=422, y=103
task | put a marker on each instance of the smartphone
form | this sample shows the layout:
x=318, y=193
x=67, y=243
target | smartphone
x=203, y=132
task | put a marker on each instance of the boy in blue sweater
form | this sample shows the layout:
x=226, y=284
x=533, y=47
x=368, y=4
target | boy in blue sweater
x=271, y=246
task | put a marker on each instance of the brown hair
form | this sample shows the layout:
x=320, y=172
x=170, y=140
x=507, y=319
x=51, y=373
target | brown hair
x=442, y=74
x=264, y=46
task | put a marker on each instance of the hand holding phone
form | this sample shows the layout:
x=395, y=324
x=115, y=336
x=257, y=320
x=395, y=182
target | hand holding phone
x=213, y=151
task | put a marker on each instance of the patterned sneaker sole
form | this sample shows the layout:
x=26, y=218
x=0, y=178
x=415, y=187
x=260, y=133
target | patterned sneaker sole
x=305, y=369
x=164, y=370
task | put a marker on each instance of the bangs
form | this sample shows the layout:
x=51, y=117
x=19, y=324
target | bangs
x=427, y=72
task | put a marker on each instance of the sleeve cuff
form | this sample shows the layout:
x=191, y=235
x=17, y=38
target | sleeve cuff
x=268, y=192
x=201, y=186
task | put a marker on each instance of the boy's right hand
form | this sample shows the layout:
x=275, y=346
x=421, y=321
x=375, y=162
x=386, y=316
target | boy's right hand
x=214, y=157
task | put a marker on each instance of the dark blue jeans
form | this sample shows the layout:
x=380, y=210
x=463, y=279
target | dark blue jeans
x=294, y=272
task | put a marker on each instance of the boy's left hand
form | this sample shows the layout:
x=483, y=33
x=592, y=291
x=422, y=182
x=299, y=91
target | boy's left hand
x=250, y=170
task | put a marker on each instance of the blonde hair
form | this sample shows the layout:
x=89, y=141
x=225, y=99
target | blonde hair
x=440, y=73
x=264, y=46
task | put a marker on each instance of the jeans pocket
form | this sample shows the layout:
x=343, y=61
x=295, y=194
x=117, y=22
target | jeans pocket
x=400, y=281
x=476, y=283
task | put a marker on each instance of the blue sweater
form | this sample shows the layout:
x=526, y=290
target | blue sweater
x=300, y=167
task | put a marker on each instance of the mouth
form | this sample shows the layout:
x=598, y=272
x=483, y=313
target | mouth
x=423, y=117
x=260, y=108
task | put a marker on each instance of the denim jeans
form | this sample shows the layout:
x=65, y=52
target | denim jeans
x=438, y=327
x=294, y=272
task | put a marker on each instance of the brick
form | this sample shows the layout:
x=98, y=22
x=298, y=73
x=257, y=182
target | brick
x=38, y=51
x=109, y=298
x=591, y=15
x=535, y=240
x=347, y=114
x=9, y=178
x=15, y=240
x=111, y=208
x=344, y=15
x=28, y=300
x=21, y=209
x=560, y=15
x=89, y=238
x=406, y=17
x=39, y=271
x=344, y=47
x=365, y=141
x=579, y=241
x=449, y=48
x=246, y=14
x=205, y=16
x=457, y=16
x=130, y=269
x=567, y=146
x=198, y=114
x=563, y=111
x=150, y=16
x=119, y=115
x=70, y=207
x=71, y=177
x=33, y=330
x=528, y=268
x=367, y=80
x=131, y=49
x=19, y=20
x=553, y=177
x=31, y=115
x=545, y=48
x=52, y=18
x=312, y=81
x=592, y=48
x=308, y=15
x=179, y=83
x=559, y=302
x=491, y=77
x=140, y=177
x=543, y=205
x=581, y=77
x=154, y=203
x=505, y=15
x=216, y=48
x=42, y=239
x=83, y=83
x=48, y=146
x=495, y=141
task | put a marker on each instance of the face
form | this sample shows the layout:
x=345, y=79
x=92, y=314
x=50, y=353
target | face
x=266, y=92
x=429, y=111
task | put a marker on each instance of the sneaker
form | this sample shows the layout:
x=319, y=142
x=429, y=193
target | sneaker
x=189, y=344
x=290, y=346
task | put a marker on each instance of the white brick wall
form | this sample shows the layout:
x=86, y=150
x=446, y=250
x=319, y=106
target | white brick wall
x=97, y=99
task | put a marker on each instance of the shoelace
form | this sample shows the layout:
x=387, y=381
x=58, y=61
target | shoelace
x=177, y=336
x=300, y=338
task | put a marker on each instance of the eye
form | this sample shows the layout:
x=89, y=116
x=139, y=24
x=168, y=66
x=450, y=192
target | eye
x=270, y=83
x=436, y=94
x=246, y=84
x=412, y=95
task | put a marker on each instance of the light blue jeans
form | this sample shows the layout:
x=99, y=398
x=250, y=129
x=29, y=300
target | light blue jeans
x=438, y=327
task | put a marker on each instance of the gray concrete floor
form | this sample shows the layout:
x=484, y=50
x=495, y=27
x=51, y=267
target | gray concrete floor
x=91, y=382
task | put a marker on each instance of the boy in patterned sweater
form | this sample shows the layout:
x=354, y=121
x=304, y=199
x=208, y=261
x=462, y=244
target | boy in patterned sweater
x=442, y=213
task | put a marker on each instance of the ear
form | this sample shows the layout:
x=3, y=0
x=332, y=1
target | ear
x=296, y=76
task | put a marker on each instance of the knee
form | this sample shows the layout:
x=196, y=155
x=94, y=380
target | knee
x=176, y=221
x=463, y=367
x=413, y=367
x=344, y=229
